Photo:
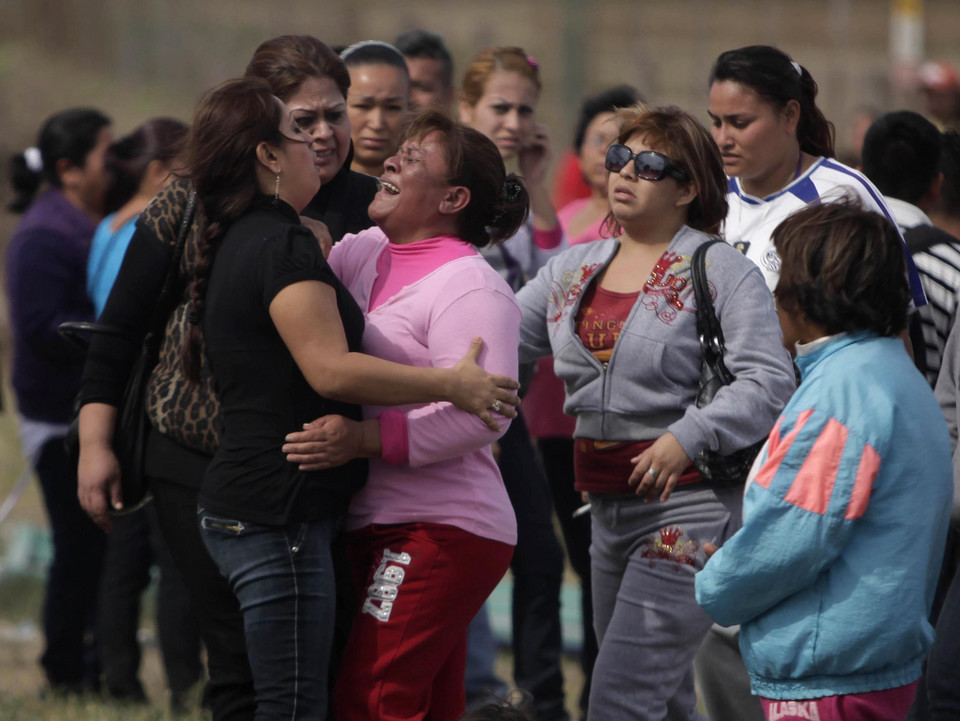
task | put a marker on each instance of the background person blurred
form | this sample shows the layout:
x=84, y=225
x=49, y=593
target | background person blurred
x=543, y=404
x=901, y=156
x=45, y=275
x=499, y=96
x=431, y=69
x=857, y=127
x=307, y=75
x=940, y=84
x=570, y=181
x=377, y=103
x=945, y=213
x=138, y=166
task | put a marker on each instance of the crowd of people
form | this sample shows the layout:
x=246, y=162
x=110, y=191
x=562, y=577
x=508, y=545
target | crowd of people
x=736, y=354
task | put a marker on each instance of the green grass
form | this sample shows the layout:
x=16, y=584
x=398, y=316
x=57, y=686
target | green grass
x=82, y=708
x=20, y=598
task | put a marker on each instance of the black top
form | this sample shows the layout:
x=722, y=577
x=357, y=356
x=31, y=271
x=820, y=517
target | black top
x=263, y=394
x=186, y=413
x=342, y=203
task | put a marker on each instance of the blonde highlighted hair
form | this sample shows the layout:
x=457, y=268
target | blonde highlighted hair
x=487, y=62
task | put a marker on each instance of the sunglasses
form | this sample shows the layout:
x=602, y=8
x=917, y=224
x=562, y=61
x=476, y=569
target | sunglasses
x=649, y=164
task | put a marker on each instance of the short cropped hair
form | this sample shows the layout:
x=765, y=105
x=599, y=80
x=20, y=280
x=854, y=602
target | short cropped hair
x=425, y=44
x=901, y=155
x=842, y=267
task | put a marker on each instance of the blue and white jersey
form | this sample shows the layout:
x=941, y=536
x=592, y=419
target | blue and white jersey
x=751, y=220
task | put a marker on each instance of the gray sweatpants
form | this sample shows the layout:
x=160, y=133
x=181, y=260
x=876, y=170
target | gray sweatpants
x=649, y=626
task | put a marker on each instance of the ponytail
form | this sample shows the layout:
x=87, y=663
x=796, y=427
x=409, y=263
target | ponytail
x=509, y=211
x=25, y=178
x=69, y=134
x=815, y=133
x=772, y=75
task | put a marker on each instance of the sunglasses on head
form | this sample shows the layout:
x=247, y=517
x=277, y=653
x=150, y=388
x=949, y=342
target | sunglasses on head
x=649, y=164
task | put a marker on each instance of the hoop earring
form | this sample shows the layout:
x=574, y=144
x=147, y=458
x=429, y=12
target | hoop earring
x=276, y=191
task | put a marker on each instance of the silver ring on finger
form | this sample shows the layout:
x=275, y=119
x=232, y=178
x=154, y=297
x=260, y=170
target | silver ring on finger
x=495, y=407
x=653, y=473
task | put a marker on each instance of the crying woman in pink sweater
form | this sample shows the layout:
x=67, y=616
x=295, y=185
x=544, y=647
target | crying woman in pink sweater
x=433, y=531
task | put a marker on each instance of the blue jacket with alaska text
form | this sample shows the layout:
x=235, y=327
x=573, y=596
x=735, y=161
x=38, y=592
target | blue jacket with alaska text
x=845, y=518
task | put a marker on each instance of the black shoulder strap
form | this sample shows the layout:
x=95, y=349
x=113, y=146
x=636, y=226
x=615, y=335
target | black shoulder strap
x=923, y=237
x=708, y=327
x=168, y=297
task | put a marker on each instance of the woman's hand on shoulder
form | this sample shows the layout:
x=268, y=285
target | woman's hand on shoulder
x=658, y=468
x=320, y=231
x=331, y=441
x=483, y=394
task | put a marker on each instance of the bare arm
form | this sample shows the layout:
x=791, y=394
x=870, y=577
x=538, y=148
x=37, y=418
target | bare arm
x=98, y=475
x=320, y=350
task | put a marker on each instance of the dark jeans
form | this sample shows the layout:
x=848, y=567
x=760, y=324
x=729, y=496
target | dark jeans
x=133, y=546
x=229, y=690
x=283, y=577
x=537, y=568
x=70, y=659
x=557, y=457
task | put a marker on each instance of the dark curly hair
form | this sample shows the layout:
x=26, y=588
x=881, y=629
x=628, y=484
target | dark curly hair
x=842, y=268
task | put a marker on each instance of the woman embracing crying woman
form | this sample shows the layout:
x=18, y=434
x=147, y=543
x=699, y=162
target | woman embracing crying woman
x=283, y=338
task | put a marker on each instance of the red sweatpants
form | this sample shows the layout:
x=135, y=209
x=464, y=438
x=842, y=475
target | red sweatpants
x=418, y=587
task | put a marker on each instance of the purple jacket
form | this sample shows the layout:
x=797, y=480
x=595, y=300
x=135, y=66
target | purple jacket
x=46, y=285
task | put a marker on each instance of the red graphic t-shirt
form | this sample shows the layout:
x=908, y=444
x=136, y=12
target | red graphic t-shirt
x=600, y=319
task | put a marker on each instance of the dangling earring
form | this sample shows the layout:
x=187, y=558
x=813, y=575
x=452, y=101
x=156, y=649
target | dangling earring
x=276, y=192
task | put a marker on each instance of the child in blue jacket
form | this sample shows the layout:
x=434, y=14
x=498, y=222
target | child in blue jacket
x=846, y=509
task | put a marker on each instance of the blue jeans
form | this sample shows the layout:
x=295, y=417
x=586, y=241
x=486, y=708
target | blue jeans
x=283, y=579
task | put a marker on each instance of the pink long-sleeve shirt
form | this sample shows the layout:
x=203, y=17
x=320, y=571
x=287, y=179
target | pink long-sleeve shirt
x=438, y=294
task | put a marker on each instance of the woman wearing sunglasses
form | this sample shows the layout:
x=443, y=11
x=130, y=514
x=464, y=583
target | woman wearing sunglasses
x=619, y=317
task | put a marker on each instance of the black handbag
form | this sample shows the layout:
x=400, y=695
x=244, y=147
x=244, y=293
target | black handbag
x=721, y=469
x=132, y=425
